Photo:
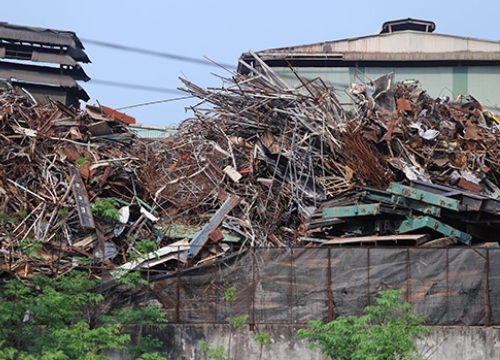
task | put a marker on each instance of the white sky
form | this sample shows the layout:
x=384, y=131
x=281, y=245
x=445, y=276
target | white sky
x=221, y=30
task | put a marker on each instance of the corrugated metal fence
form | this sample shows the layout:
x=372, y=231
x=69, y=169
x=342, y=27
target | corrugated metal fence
x=455, y=286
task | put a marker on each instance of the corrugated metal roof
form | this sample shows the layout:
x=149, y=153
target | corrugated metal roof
x=53, y=58
x=394, y=46
x=37, y=77
x=75, y=73
x=39, y=35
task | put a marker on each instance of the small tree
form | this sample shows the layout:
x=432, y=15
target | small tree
x=59, y=318
x=385, y=331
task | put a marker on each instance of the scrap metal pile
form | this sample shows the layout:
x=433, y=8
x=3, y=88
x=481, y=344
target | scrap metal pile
x=286, y=150
x=262, y=163
x=55, y=165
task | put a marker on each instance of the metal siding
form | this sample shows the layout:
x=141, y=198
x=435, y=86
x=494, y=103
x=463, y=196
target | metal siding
x=484, y=85
x=437, y=81
x=340, y=78
x=460, y=83
x=481, y=82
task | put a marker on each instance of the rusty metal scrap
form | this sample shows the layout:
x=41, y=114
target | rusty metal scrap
x=53, y=165
x=296, y=147
x=286, y=152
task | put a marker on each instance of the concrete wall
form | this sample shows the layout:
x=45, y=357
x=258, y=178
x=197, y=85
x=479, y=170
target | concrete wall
x=444, y=343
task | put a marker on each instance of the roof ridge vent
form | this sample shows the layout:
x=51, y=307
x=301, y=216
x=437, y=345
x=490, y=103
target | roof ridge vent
x=407, y=24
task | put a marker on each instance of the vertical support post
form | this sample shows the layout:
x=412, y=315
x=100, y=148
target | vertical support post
x=447, y=315
x=407, y=296
x=331, y=314
x=368, y=275
x=177, y=319
x=291, y=288
x=252, y=304
x=487, y=310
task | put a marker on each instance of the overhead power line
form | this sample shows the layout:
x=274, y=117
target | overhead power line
x=135, y=86
x=154, y=53
x=155, y=102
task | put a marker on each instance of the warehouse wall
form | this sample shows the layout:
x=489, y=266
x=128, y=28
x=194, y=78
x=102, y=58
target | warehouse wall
x=478, y=81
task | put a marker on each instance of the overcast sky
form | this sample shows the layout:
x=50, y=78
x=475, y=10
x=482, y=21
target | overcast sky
x=220, y=30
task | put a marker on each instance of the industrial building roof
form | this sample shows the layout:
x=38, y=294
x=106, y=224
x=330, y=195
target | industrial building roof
x=43, y=58
x=402, y=43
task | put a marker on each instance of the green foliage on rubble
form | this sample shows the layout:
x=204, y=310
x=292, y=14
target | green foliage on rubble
x=29, y=247
x=46, y=318
x=5, y=218
x=81, y=161
x=385, y=331
x=107, y=209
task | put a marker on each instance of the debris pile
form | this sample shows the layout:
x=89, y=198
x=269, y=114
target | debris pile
x=285, y=150
x=56, y=164
x=262, y=163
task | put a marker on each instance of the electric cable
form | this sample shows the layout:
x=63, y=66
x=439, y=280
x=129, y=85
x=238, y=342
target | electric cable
x=154, y=53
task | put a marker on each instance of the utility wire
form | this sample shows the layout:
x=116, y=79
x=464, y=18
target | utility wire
x=155, y=102
x=154, y=53
x=135, y=86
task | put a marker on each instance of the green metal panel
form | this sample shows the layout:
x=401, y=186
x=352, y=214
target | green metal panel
x=424, y=196
x=436, y=81
x=339, y=78
x=351, y=211
x=460, y=80
x=412, y=224
x=417, y=205
x=484, y=85
x=483, y=82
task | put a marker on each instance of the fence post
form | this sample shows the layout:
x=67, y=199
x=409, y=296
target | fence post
x=178, y=289
x=252, y=304
x=487, y=310
x=408, y=274
x=368, y=275
x=331, y=314
x=447, y=313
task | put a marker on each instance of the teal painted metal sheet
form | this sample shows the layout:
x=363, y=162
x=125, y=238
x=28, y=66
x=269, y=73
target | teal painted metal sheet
x=421, y=207
x=424, y=196
x=412, y=224
x=351, y=211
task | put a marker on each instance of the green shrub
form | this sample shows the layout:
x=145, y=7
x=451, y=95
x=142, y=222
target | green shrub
x=385, y=331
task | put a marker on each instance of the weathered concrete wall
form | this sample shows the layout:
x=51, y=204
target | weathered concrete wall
x=462, y=342
x=444, y=343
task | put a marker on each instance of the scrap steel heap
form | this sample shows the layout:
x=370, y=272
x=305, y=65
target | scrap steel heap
x=260, y=164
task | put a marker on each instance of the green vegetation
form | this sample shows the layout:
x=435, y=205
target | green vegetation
x=5, y=218
x=385, y=331
x=213, y=352
x=107, y=209
x=81, y=161
x=230, y=294
x=146, y=246
x=29, y=247
x=264, y=339
x=238, y=322
x=47, y=318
